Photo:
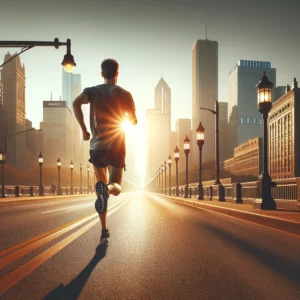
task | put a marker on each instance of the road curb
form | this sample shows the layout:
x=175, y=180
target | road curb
x=272, y=222
x=21, y=200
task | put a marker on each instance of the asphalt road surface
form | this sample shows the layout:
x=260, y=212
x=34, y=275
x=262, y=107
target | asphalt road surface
x=159, y=249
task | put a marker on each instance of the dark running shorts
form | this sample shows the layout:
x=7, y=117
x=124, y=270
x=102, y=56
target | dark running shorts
x=104, y=158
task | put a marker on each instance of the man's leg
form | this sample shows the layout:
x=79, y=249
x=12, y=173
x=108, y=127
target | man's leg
x=101, y=175
x=115, y=180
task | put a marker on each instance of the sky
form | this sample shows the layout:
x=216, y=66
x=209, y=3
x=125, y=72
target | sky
x=148, y=38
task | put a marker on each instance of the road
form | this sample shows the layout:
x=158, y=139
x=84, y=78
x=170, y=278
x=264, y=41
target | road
x=159, y=249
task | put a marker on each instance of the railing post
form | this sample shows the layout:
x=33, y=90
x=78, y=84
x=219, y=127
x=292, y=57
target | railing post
x=210, y=193
x=221, y=193
x=66, y=190
x=31, y=191
x=17, y=191
x=237, y=193
x=190, y=192
x=298, y=188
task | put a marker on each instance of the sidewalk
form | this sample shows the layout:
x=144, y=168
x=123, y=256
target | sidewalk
x=31, y=199
x=280, y=219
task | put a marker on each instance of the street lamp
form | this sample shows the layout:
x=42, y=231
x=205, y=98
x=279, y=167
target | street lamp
x=186, y=147
x=264, y=97
x=41, y=187
x=71, y=168
x=170, y=164
x=216, y=113
x=88, y=179
x=59, y=191
x=176, y=158
x=2, y=161
x=80, y=189
x=94, y=179
x=200, y=142
x=162, y=178
x=68, y=61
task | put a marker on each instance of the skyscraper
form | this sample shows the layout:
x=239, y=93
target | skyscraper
x=71, y=88
x=204, y=94
x=158, y=128
x=223, y=130
x=13, y=80
x=57, y=128
x=244, y=120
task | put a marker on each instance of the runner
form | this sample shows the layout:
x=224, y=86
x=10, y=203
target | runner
x=109, y=105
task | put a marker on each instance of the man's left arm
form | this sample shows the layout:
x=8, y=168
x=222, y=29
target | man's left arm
x=81, y=99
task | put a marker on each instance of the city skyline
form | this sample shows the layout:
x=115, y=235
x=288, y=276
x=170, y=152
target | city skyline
x=136, y=73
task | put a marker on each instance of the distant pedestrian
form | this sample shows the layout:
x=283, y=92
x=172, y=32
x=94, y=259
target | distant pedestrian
x=109, y=105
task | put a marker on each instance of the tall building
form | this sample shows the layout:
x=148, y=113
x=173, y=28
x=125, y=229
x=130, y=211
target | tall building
x=57, y=129
x=157, y=147
x=284, y=135
x=204, y=94
x=158, y=128
x=223, y=131
x=245, y=121
x=13, y=80
x=71, y=88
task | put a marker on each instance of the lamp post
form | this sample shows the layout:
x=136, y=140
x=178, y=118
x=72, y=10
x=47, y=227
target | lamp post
x=160, y=182
x=58, y=163
x=200, y=142
x=88, y=179
x=94, y=179
x=176, y=158
x=186, y=147
x=162, y=178
x=170, y=164
x=264, y=93
x=41, y=187
x=217, y=156
x=71, y=168
x=68, y=61
x=80, y=188
x=2, y=161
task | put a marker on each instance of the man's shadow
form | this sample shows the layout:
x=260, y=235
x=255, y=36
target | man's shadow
x=73, y=289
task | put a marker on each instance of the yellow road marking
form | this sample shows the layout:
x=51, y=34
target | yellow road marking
x=23, y=271
x=40, y=237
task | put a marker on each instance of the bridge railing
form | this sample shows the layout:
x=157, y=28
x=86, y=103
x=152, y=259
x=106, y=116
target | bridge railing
x=285, y=189
x=21, y=190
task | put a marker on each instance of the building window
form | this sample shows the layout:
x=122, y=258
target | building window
x=242, y=120
x=248, y=120
x=254, y=121
x=260, y=121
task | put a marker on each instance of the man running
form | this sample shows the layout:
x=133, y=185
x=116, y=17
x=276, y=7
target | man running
x=109, y=105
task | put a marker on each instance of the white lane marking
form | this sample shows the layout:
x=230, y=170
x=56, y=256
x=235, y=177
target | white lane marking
x=50, y=211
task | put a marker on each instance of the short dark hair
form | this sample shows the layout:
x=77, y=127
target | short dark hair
x=109, y=68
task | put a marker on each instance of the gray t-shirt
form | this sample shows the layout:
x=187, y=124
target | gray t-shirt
x=108, y=106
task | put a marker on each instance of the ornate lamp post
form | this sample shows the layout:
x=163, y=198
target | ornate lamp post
x=2, y=161
x=59, y=191
x=264, y=93
x=160, y=181
x=71, y=168
x=186, y=146
x=88, y=179
x=41, y=186
x=80, y=189
x=200, y=142
x=170, y=164
x=176, y=158
x=216, y=113
x=94, y=179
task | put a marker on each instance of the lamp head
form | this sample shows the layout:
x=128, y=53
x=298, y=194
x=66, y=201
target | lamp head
x=176, y=154
x=58, y=163
x=41, y=159
x=200, y=134
x=71, y=165
x=186, y=145
x=170, y=160
x=264, y=94
x=2, y=156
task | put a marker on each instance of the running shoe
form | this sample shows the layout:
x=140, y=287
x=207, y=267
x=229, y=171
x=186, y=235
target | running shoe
x=104, y=235
x=102, y=197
